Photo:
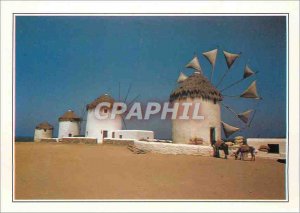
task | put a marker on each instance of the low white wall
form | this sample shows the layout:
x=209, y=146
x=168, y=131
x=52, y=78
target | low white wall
x=257, y=142
x=134, y=134
x=169, y=148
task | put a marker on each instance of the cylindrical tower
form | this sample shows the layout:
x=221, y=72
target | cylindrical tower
x=69, y=125
x=101, y=128
x=194, y=90
x=43, y=130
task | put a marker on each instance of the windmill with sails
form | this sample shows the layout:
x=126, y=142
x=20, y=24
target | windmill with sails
x=197, y=88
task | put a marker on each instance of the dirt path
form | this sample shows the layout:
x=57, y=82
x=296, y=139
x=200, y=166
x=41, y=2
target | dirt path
x=70, y=171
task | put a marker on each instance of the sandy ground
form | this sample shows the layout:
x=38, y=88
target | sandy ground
x=72, y=171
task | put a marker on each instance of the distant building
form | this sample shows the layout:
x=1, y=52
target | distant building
x=197, y=89
x=69, y=125
x=43, y=130
x=101, y=128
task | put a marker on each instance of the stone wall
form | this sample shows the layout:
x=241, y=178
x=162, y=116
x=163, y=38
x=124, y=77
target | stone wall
x=176, y=149
x=78, y=140
x=49, y=140
x=118, y=142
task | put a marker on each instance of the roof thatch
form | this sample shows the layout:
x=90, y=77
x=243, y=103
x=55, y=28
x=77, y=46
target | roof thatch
x=69, y=116
x=45, y=126
x=101, y=99
x=196, y=86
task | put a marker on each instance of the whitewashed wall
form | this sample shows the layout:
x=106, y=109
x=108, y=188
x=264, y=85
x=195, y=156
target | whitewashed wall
x=41, y=133
x=184, y=130
x=134, y=134
x=257, y=142
x=68, y=127
x=169, y=148
x=95, y=126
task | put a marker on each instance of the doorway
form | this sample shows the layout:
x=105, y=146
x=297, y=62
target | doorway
x=274, y=148
x=212, y=135
x=104, y=134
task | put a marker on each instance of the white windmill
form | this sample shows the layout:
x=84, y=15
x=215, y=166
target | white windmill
x=69, y=124
x=196, y=88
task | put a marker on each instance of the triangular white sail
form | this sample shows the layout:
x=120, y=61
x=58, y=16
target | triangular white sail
x=181, y=77
x=244, y=116
x=230, y=58
x=211, y=56
x=248, y=72
x=251, y=92
x=194, y=64
x=229, y=130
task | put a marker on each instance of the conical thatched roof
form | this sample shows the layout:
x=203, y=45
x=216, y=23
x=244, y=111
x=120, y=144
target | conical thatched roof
x=69, y=116
x=44, y=125
x=101, y=99
x=196, y=86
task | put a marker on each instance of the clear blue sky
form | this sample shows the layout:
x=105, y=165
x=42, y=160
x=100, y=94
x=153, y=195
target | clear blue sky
x=66, y=62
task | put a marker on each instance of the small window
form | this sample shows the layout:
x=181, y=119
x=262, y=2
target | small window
x=70, y=135
x=120, y=136
x=105, y=133
x=113, y=135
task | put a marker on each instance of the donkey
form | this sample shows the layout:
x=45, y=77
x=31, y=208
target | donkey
x=220, y=145
x=244, y=150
